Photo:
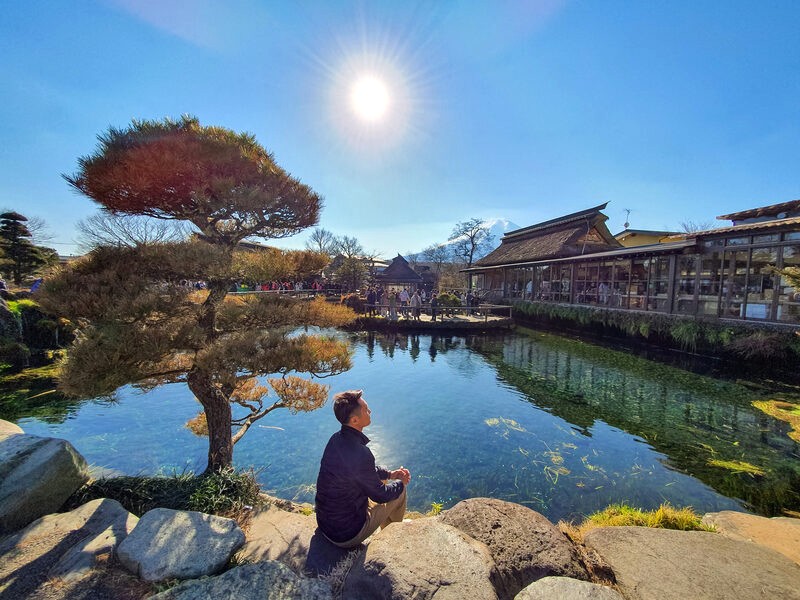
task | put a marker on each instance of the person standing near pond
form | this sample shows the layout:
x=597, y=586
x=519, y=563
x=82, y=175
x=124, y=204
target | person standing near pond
x=434, y=306
x=392, y=306
x=416, y=303
x=354, y=497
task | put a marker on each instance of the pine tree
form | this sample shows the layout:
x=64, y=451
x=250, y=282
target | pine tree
x=21, y=257
x=140, y=323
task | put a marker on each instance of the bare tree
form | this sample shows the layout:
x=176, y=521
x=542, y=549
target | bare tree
x=349, y=247
x=438, y=254
x=322, y=240
x=470, y=238
x=129, y=231
x=691, y=226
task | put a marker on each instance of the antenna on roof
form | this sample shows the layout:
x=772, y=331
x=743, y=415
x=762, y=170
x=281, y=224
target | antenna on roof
x=627, y=217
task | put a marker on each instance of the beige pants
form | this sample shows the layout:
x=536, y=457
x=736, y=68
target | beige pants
x=378, y=515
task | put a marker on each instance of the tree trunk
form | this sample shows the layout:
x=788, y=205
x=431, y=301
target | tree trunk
x=218, y=418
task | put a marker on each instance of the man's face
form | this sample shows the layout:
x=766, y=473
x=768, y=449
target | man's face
x=363, y=414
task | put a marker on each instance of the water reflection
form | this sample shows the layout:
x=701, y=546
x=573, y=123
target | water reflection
x=559, y=425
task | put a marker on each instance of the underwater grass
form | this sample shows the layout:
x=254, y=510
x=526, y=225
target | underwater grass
x=785, y=411
x=623, y=515
x=737, y=466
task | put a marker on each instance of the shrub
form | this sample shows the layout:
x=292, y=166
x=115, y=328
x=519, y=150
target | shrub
x=15, y=355
x=447, y=299
x=759, y=345
x=225, y=492
x=354, y=302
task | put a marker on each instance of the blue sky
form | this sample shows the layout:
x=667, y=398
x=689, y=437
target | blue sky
x=676, y=110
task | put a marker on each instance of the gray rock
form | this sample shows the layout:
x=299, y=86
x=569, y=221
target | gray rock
x=422, y=559
x=91, y=551
x=177, y=544
x=36, y=476
x=293, y=539
x=781, y=534
x=664, y=564
x=525, y=545
x=270, y=580
x=565, y=588
x=9, y=428
x=66, y=546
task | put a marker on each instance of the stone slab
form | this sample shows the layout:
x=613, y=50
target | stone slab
x=9, y=428
x=292, y=539
x=781, y=534
x=178, y=544
x=269, y=580
x=663, y=564
x=422, y=559
x=37, y=475
x=566, y=588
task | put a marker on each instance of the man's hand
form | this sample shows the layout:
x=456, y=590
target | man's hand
x=402, y=474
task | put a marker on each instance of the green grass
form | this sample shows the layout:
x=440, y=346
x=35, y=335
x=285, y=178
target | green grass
x=224, y=493
x=623, y=515
x=436, y=508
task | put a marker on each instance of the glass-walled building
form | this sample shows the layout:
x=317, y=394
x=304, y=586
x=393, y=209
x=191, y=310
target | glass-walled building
x=728, y=273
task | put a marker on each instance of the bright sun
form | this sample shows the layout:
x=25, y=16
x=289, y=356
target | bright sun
x=369, y=98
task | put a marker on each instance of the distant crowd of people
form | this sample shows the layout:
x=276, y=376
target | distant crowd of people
x=396, y=303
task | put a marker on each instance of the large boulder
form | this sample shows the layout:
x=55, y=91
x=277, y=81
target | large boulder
x=781, y=534
x=525, y=546
x=8, y=428
x=179, y=544
x=65, y=546
x=294, y=540
x=37, y=475
x=663, y=564
x=564, y=588
x=269, y=580
x=422, y=559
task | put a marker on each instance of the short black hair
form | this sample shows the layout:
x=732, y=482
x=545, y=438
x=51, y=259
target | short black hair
x=345, y=404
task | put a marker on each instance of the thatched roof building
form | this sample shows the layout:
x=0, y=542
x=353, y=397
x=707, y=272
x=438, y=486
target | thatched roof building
x=399, y=273
x=579, y=233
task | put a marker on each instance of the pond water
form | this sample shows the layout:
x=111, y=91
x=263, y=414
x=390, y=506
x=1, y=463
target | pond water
x=560, y=425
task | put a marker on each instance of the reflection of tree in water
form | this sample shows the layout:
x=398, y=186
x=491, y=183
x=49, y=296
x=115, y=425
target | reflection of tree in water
x=690, y=418
x=43, y=404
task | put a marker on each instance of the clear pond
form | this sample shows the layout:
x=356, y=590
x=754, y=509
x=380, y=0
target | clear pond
x=560, y=425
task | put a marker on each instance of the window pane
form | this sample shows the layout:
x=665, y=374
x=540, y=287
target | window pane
x=710, y=274
x=734, y=277
x=638, y=292
x=740, y=241
x=761, y=283
x=788, y=297
x=685, y=274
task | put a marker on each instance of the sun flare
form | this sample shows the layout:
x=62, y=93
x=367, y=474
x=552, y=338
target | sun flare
x=369, y=98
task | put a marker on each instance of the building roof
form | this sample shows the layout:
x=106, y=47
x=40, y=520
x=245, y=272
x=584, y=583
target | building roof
x=744, y=227
x=399, y=272
x=628, y=232
x=583, y=232
x=648, y=250
x=764, y=211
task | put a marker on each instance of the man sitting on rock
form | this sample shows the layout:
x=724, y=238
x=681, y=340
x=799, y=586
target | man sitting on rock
x=353, y=499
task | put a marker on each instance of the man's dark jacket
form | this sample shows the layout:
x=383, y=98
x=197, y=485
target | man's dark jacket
x=347, y=477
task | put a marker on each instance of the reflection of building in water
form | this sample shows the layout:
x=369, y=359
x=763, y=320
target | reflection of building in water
x=689, y=418
x=728, y=272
